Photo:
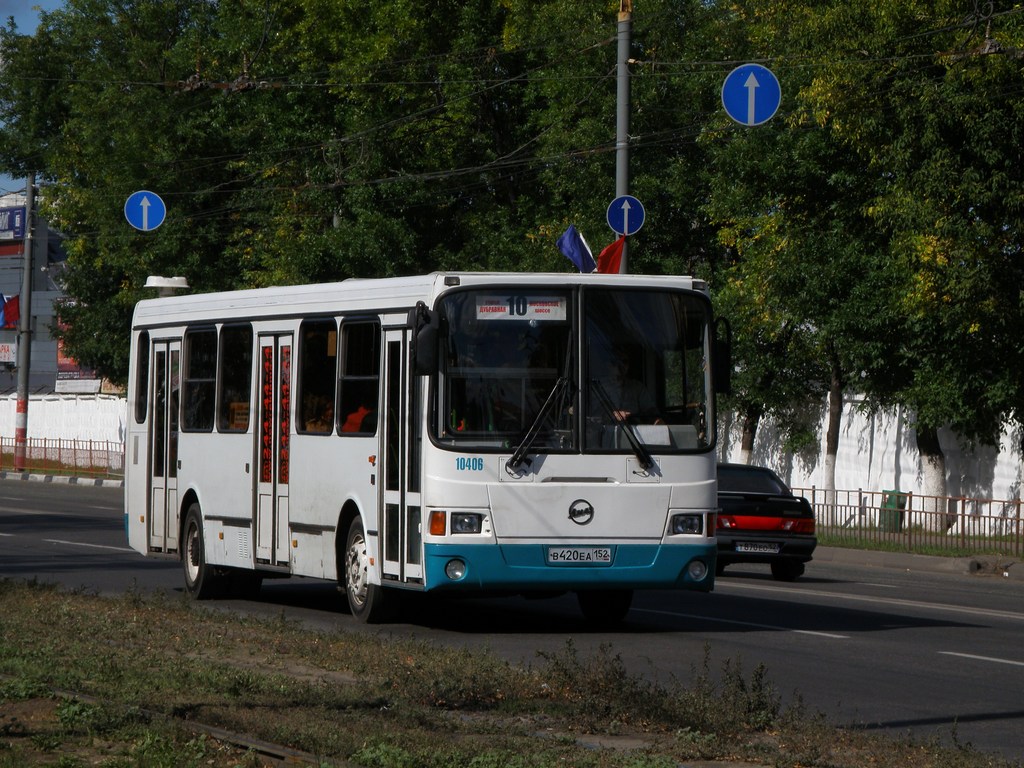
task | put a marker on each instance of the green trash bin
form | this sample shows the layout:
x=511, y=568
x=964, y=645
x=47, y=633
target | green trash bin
x=890, y=516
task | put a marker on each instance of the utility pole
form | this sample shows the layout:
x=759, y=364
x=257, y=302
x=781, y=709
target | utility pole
x=622, y=110
x=25, y=331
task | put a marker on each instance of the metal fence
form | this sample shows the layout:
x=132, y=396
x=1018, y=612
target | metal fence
x=79, y=458
x=916, y=523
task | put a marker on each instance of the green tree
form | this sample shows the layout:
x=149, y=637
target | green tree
x=785, y=282
x=891, y=182
x=308, y=140
x=936, y=121
x=91, y=102
x=789, y=203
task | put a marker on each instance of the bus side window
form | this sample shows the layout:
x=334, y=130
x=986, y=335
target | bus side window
x=142, y=378
x=199, y=380
x=234, y=383
x=318, y=355
x=359, y=378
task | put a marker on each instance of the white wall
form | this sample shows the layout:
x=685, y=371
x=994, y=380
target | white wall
x=69, y=417
x=879, y=452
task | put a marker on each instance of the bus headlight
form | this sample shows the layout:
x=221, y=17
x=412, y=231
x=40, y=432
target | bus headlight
x=455, y=569
x=467, y=522
x=690, y=524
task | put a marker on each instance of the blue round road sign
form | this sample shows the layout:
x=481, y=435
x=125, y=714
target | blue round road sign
x=145, y=210
x=626, y=215
x=751, y=94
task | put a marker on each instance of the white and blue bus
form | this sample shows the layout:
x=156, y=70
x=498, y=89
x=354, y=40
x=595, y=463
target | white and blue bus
x=453, y=432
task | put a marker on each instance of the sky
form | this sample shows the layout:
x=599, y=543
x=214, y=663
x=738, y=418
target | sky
x=26, y=16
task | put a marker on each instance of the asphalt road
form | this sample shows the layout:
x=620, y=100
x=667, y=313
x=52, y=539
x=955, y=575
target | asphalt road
x=899, y=645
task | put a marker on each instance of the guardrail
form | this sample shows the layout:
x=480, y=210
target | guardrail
x=77, y=458
x=916, y=523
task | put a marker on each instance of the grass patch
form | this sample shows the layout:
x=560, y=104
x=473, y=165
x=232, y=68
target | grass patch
x=143, y=668
x=911, y=543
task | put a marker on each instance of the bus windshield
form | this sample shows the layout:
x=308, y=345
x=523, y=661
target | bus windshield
x=504, y=355
x=598, y=369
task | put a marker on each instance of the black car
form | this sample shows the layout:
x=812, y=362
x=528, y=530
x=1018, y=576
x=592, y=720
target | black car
x=761, y=521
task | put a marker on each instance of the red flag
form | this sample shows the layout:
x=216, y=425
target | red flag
x=611, y=256
x=12, y=312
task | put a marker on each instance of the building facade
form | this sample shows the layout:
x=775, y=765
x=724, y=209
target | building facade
x=49, y=370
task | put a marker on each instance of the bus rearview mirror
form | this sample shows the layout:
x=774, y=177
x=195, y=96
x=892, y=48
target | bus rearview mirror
x=425, y=328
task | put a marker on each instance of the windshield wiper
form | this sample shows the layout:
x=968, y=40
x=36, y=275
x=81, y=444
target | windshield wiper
x=642, y=454
x=519, y=455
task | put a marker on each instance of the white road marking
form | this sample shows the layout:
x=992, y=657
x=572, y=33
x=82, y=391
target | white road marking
x=744, y=624
x=83, y=544
x=971, y=611
x=982, y=658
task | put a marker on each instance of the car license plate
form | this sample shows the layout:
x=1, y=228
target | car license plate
x=580, y=555
x=759, y=547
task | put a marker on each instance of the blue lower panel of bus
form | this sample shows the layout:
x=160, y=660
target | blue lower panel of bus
x=546, y=566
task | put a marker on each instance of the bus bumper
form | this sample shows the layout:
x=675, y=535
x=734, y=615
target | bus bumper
x=525, y=567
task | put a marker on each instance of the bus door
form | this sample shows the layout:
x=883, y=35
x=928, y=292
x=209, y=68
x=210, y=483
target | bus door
x=401, y=434
x=163, y=477
x=273, y=448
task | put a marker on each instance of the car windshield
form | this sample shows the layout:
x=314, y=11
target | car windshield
x=597, y=369
x=749, y=479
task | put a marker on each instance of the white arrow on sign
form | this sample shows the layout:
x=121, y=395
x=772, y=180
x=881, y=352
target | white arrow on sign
x=144, y=204
x=625, y=215
x=751, y=85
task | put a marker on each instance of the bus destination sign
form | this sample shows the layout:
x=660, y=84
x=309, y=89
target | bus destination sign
x=520, y=307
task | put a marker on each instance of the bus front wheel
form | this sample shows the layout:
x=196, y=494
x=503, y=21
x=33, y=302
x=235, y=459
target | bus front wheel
x=605, y=607
x=202, y=581
x=365, y=600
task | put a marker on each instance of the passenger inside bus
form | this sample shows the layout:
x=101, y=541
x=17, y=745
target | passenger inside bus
x=322, y=420
x=626, y=397
x=362, y=419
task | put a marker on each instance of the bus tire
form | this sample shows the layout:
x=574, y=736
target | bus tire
x=605, y=607
x=365, y=600
x=202, y=581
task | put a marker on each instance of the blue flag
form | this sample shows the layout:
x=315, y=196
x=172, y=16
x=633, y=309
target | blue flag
x=575, y=249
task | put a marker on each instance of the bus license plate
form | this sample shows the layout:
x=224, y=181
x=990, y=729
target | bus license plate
x=759, y=547
x=580, y=555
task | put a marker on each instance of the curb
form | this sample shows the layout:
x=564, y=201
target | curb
x=993, y=565
x=96, y=482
